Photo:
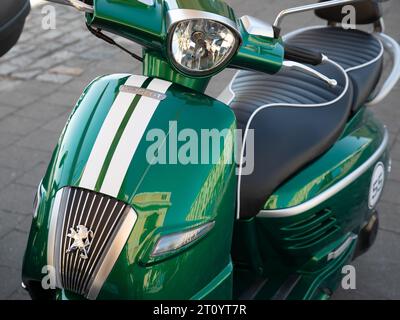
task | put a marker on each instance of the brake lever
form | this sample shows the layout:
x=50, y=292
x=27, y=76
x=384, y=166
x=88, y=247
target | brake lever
x=306, y=69
x=77, y=4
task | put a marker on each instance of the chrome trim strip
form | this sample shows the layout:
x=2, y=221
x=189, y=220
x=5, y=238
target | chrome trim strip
x=177, y=15
x=393, y=48
x=346, y=181
x=69, y=241
x=113, y=253
x=62, y=258
x=257, y=27
x=309, y=7
x=143, y=92
x=74, y=272
x=342, y=248
x=228, y=95
x=51, y=238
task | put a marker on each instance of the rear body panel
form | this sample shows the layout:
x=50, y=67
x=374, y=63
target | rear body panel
x=296, y=233
x=107, y=146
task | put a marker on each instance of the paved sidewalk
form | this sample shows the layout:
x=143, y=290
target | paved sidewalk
x=42, y=77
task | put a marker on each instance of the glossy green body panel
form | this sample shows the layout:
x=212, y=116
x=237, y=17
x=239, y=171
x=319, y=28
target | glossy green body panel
x=361, y=138
x=259, y=53
x=166, y=197
x=155, y=66
x=299, y=244
x=147, y=26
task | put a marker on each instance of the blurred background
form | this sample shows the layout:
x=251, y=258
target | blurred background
x=44, y=74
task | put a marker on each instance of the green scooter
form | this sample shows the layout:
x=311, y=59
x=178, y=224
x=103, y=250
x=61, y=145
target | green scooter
x=157, y=191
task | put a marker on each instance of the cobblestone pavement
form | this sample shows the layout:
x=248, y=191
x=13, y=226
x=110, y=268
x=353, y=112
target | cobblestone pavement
x=42, y=77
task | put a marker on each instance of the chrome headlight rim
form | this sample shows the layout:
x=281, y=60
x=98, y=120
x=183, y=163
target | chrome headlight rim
x=177, y=16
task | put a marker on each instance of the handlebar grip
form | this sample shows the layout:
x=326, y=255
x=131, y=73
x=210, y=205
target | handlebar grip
x=302, y=55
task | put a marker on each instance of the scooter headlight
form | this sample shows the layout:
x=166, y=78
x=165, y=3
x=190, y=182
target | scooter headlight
x=199, y=47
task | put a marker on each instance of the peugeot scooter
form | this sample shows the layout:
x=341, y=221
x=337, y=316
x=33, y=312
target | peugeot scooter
x=118, y=216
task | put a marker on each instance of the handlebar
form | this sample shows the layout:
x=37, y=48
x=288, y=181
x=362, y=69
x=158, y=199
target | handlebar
x=302, y=55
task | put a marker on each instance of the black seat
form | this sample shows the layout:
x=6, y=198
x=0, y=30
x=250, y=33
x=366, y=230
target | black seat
x=358, y=52
x=295, y=118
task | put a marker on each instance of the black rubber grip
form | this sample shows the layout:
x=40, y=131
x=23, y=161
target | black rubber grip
x=298, y=54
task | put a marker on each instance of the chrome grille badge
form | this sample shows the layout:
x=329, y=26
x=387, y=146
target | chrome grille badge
x=82, y=239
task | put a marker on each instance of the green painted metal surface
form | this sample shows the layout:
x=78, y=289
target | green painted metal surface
x=362, y=136
x=147, y=26
x=167, y=197
x=300, y=244
x=259, y=53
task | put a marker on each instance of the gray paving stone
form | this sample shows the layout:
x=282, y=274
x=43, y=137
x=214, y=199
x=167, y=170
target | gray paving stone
x=54, y=78
x=19, y=294
x=391, y=192
x=8, y=85
x=17, y=125
x=8, y=222
x=19, y=49
x=395, y=173
x=65, y=70
x=7, y=175
x=41, y=111
x=39, y=140
x=62, y=98
x=22, y=158
x=6, y=69
x=12, y=248
x=37, y=88
x=4, y=111
x=7, y=139
x=51, y=34
x=57, y=125
x=389, y=216
x=377, y=270
x=26, y=75
x=18, y=199
x=12, y=97
x=9, y=281
x=22, y=61
x=33, y=176
x=53, y=59
x=395, y=152
x=11, y=221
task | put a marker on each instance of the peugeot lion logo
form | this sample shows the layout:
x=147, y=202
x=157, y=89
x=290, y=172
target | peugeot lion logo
x=82, y=240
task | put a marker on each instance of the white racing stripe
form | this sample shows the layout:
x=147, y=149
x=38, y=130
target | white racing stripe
x=107, y=133
x=131, y=138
